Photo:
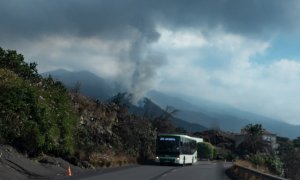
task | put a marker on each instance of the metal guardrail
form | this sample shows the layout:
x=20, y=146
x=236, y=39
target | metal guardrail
x=248, y=173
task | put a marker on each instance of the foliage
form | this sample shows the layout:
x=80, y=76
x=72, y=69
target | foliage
x=224, y=154
x=36, y=114
x=230, y=156
x=136, y=133
x=111, y=126
x=272, y=162
x=254, y=130
x=253, y=142
x=296, y=142
x=11, y=60
x=205, y=150
x=286, y=146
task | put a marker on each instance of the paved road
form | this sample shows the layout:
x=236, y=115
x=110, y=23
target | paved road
x=199, y=171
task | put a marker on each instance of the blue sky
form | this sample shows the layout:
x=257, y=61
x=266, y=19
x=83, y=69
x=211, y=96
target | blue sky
x=242, y=53
x=282, y=46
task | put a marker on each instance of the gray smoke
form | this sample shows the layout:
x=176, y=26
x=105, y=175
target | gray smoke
x=146, y=64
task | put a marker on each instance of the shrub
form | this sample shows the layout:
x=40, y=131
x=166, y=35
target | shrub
x=275, y=165
x=258, y=159
x=272, y=162
x=205, y=150
x=11, y=60
x=35, y=120
x=36, y=114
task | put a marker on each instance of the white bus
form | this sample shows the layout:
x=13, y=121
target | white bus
x=176, y=149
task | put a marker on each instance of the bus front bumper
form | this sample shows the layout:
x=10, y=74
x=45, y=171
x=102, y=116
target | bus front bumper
x=171, y=160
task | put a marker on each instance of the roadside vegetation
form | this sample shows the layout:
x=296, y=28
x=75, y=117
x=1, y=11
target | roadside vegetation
x=256, y=153
x=206, y=150
x=271, y=162
x=36, y=113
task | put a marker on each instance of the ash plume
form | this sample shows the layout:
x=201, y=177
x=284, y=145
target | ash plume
x=145, y=66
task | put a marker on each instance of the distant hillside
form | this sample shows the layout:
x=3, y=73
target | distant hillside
x=152, y=110
x=203, y=112
x=90, y=84
x=212, y=115
x=99, y=88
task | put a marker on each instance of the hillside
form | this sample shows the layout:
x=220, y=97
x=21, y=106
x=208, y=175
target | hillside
x=152, y=110
x=39, y=117
x=204, y=113
x=90, y=84
x=98, y=88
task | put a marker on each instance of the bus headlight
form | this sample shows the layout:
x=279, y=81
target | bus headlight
x=157, y=158
x=177, y=158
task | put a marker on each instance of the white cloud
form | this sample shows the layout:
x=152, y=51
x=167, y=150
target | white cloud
x=181, y=39
x=214, y=65
x=269, y=89
x=285, y=70
x=99, y=56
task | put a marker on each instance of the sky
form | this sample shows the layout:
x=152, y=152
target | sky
x=238, y=52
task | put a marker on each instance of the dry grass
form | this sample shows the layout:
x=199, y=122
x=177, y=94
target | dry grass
x=247, y=175
x=250, y=165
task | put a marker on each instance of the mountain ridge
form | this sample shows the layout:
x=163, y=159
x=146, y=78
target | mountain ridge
x=230, y=119
x=96, y=87
x=205, y=113
x=90, y=84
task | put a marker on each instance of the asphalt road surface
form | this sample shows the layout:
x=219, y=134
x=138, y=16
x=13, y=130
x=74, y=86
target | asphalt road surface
x=199, y=171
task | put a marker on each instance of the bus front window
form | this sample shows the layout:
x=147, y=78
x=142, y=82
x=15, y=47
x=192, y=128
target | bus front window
x=167, y=145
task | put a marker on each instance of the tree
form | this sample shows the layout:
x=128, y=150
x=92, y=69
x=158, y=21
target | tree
x=254, y=142
x=296, y=142
x=253, y=130
x=286, y=146
x=205, y=150
x=13, y=61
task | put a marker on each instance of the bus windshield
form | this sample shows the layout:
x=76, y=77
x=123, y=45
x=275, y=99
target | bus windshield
x=167, y=145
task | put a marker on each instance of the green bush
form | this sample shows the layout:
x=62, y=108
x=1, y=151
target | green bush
x=205, y=150
x=36, y=114
x=11, y=60
x=272, y=162
x=17, y=120
x=33, y=119
x=275, y=165
x=258, y=159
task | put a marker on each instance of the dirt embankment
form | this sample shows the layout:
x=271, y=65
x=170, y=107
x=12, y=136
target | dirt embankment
x=14, y=165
